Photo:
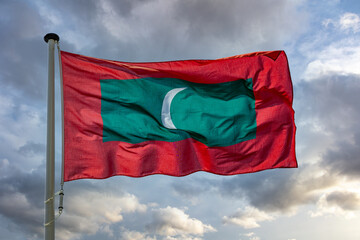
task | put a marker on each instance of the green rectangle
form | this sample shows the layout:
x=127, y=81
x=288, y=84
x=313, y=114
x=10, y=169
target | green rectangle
x=220, y=114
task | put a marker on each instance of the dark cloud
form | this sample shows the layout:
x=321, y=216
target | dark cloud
x=125, y=7
x=88, y=11
x=243, y=22
x=191, y=188
x=148, y=30
x=277, y=190
x=21, y=200
x=31, y=148
x=333, y=100
x=142, y=30
x=346, y=200
x=23, y=55
x=344, y=158
x=331, y=104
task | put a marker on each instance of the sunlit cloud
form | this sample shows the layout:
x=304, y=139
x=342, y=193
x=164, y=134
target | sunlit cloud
x=339, y=203
x=175, y=222
x=134, y=235
x=247, y=218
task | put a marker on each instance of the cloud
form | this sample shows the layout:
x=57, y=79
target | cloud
x=158, y=30
x=22, y=133
x=23, y=57
x=247, y=218
x=31, y=149
x=142, y=30
x=91, y=210
x=343, y=158
x=331, y=104
x=191, y=189
x=173, y=222
x=341, y=58
x=350, y=21
x=345, y=200
x=341, y=203
x=134, y=235
x=334, y=49
x=21, y=199
x=251, y=236
x=181, y=238
x=281, y=192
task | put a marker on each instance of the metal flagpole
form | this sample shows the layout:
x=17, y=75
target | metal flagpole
x=51, y=39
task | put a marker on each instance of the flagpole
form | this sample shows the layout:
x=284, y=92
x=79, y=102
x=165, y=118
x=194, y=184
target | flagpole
x=51, y=39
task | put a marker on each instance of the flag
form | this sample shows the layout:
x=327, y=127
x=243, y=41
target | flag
x=227, y=116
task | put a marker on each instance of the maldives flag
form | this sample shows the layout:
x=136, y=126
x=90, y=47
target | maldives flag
x=226, y=116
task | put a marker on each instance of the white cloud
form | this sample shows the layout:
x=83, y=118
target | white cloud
x=91, y=212
x=181, y=237
x=342, y=58
x=334, y=50
x=255, y=238
x=134, y=235
x=111, y=206
x=350, y=21
x=247, y=218
x=175, y=222
x=251, y=236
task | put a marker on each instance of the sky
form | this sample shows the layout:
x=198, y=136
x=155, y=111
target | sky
x=318, y=200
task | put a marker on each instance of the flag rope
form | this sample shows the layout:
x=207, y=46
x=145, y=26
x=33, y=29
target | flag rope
x=61, y=192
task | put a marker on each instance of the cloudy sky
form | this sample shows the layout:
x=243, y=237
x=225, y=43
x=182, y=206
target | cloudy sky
x=319, y=200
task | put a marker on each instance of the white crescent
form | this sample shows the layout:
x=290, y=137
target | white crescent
x=165, y=111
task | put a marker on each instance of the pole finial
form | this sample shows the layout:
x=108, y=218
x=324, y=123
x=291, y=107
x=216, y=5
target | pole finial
x=49, y=36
